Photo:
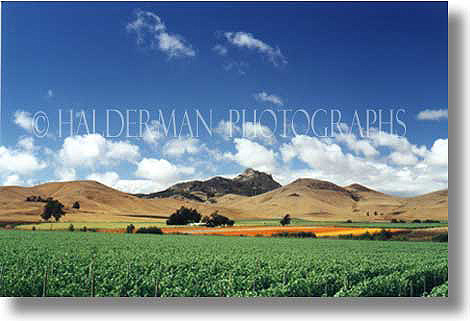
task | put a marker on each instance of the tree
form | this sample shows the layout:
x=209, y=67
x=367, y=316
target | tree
x=184, y=216
x=71, y=228
x=215, y=219
x=285, y=220
x=53, y=208
x=130, y=228
x=76, y=205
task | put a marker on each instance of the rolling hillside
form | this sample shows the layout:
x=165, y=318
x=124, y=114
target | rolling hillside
x=304, y=198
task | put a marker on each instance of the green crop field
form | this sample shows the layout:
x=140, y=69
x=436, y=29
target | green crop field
x=54, y=263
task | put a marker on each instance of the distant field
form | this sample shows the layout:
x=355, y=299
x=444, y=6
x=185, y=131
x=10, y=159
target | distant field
x=46, y=263
x=265, y=222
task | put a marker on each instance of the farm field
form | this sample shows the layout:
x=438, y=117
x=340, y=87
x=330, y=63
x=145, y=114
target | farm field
x=242, y=223
x=44, y=263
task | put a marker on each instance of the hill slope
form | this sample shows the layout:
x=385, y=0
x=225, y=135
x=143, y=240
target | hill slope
x=304, y=198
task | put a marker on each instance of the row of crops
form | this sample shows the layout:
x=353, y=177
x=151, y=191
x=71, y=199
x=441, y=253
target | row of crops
x=96, y=264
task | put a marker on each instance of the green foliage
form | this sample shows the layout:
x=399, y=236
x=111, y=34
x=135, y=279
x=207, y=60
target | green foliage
x=383, y=235
x=215, y=219
x=53, y=208
x=295, y=234
x=105, y=265
x=149, y=230
x=441, y=238
x=285, y=220
x=130, y=228
x=184, y=216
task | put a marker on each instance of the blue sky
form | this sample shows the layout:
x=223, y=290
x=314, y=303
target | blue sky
x=217, y=56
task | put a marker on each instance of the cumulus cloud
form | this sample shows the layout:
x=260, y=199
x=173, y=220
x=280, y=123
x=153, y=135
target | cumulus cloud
x=227, y=129
x=22, y=162
x=13, y=180
x=256, y=131
x=359, y=146
x=24, y=120
x=152, y=32
x=439, y=153
x=252, y=154
x=152, y=132
x=407, y=170
x=270, y=98
x=50, y=93
x=93, y=149
x=246, y=40
x=161, y=170
x=179, y=146
x=433, y=114
x=64, y=174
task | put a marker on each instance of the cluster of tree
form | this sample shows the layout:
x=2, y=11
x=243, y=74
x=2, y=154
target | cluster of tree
x=295, y=234
x=34, y=198
x=285, y=220
x=149, y=230
x=53, y=208
x=215, y=219
x=394, y=220
x=425, y=221
x=184, y=216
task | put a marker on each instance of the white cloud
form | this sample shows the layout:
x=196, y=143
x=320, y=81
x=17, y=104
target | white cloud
x=439, y=153
x=19, y=162
x=93, y=149
x=407, y=170
x=161, y=170
x=221, y=50
x=227, y=129
x=252, y=154
x=24, y=120
x=179, y=146
x=151, y=31
x=50, y=93
x=107, y=178
x=271, y=98
x=256, y=131
x=13, y=180
x=26, y=143
x=405, y=159
x=152, y=132
x=430, y=114
x=359, y=146
x=247, y=40
x=64, y=174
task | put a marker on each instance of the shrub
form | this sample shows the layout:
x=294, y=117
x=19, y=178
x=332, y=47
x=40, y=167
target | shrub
x=53, y=208
x=33, y=228
x=76, y=205
x=440, y=238
x=215, y=219
x=295, y=234
x=83, y=229
x=71, y=228
x=130, y=228
x=430, y=221
x=149, y=230
x=184, y=216
x=349, y=221
x=285, y=220
x=416, y=221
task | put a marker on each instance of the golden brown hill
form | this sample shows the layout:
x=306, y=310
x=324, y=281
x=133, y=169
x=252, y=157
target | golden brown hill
x=98, y=203
x=304, y=198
